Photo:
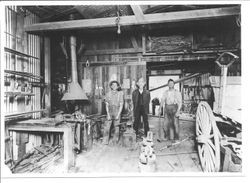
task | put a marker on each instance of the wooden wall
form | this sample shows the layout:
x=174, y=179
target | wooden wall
x=21, y=71
x=22, y=54
x=99, y=83
x=123, y=51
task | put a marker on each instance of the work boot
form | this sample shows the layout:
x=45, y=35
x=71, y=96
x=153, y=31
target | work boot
x=105, y=141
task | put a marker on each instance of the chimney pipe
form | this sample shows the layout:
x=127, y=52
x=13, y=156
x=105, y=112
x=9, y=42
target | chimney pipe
x=73, y=59
x=75, y=92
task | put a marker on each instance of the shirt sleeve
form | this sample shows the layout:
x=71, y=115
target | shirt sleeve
x=121, y=98
x=163, y=98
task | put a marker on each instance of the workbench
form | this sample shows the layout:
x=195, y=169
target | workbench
x=48, y=125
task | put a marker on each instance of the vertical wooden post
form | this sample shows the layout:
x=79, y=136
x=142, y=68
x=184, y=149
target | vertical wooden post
x=143, y=43
x=69, y=157
x=47, y=74
x=148, y=72
x=223, y=83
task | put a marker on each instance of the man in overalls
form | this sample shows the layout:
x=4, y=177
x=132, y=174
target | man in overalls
x=114, y=104
x=171, y=102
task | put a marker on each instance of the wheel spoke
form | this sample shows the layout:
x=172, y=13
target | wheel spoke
x=199, y=130
x=200, y=127
x=207, y=159
x=209, y=152
x=211, y=144
x=211, y=136
x=212, y=154
x=208, y=124
x=211, y=159
x=202, y=118
x=201, y=155
x=199, y=120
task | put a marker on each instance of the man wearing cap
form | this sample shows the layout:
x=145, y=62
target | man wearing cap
x=171, y=103
x=141, y=99
x=114, y=104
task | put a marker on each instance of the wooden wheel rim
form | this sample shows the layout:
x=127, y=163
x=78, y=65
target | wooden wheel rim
x=208, y=138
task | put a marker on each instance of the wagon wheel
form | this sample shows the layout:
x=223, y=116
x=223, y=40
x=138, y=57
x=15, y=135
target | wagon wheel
x=208, y=138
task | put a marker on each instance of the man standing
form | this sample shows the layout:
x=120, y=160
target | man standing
x=141, y=99
x=171, y=102
x=114, y=104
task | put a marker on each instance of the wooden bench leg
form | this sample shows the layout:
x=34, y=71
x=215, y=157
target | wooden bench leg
x=69, y=156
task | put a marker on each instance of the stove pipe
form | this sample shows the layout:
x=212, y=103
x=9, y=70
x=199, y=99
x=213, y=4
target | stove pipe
x=75, y=92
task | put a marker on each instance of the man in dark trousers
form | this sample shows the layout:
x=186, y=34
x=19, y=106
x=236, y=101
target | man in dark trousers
x=141, y=99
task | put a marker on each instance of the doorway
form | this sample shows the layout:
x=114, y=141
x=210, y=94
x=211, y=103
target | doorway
x=159, y=80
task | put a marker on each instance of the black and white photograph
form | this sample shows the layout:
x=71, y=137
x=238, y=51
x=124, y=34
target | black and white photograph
x=121, y=88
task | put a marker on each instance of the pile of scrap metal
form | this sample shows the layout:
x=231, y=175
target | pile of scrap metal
x=147, y=158
x=38, y=160
x=230, y=140
x=170, y=43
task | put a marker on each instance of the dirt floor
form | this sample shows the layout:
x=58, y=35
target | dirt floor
x=118, y=159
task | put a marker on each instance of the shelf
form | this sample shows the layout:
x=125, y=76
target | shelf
x=18, y=114
x=18, y=53
x=12, y=93
x=207, y=51
x=24, y=74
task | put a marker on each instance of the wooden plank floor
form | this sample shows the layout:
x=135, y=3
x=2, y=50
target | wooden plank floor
x=116, y=159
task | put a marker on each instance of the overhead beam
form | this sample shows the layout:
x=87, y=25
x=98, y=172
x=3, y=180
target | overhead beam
x=112, y=51
x=189, y=15
x=137, y=12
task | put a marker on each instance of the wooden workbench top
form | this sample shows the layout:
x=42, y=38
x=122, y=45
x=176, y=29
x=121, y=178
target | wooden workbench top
x=44, y=124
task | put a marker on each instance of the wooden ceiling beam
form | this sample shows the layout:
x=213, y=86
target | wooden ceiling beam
x=112, y=51
x=189, y=15
x=137, y=12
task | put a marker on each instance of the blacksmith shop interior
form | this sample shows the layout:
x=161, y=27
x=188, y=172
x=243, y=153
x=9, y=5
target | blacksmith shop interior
x=122, y=88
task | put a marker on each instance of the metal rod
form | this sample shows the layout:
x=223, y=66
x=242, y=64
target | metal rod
x=178, y=81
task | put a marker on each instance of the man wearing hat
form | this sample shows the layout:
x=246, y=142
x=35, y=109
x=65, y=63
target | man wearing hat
x=141, y=99
x=114, y=103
